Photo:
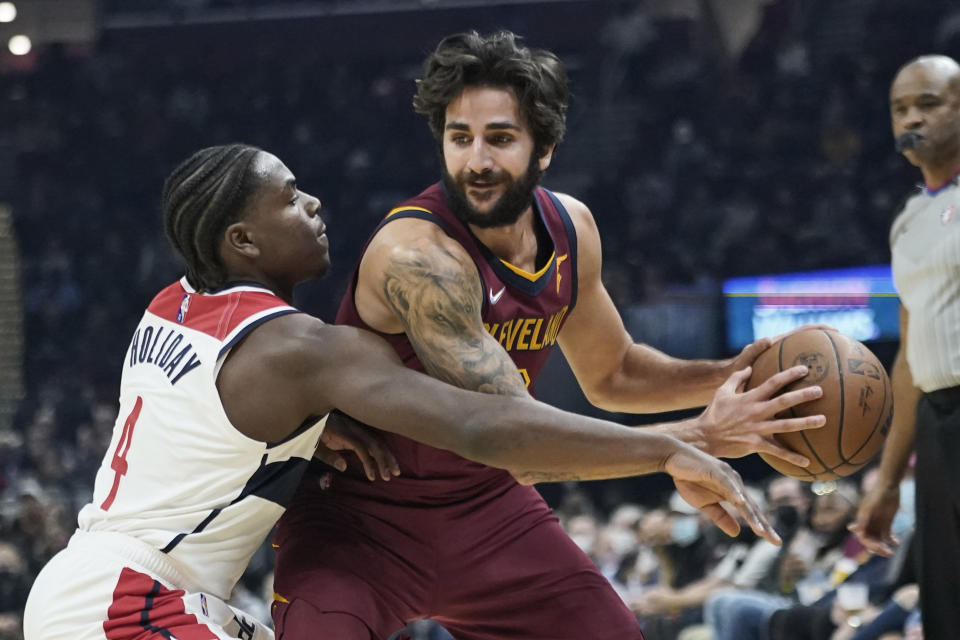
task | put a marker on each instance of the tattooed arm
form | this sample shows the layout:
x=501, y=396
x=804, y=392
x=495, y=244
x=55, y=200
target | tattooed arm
x=415, y=279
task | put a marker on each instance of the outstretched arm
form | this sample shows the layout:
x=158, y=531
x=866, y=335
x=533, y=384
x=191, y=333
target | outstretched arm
x=880, y=504
x=294, y=367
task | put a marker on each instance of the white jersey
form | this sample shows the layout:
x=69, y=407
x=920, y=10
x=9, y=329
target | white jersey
x=110, y=586
x=925, y=246
x=178, y=476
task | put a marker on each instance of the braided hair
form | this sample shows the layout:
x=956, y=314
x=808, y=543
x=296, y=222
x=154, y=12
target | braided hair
x=205, y=194
x=536, y=76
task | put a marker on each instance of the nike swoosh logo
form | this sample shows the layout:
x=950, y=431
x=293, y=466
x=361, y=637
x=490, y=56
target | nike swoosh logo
x=495, y=297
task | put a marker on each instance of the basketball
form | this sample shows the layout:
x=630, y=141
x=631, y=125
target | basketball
x=857, y=402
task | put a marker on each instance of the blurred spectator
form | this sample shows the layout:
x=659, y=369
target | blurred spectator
x=876, y=623
x=639, y=570
x=15, y=578
x=746, y=563
x=584, y=531
x=618, y=538
x=685, y=557
x=35, y=526
x=861, y=601
x=817, y=558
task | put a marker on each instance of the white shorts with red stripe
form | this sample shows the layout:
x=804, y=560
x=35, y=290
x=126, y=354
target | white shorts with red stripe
x=109, y=586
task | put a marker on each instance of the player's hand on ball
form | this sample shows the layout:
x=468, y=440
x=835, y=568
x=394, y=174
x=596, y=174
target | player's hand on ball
x=343, y=433
x=737, y=423
x=704, y=482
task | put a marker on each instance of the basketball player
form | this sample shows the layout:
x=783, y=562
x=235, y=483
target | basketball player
x=224, y=395
x=473, y=281
x=925, y=247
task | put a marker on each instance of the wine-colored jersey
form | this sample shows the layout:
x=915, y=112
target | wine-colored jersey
x=450, y=539
x=523, y=311
x=178, y=476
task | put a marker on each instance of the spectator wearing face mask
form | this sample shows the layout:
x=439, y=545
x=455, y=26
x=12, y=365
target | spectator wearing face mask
x=640, y=570
x=820, y=555
x=788, y=503
x=583, y=530
x=855, y=596
x=685, y=559
x=743, y=565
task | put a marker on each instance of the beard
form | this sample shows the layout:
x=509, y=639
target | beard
x=509, y=206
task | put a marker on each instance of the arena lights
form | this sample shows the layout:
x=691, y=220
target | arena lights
x=8, y=12
x=19, y=45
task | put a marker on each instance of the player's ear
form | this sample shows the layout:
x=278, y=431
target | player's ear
x=238, y=239
x=546, y=157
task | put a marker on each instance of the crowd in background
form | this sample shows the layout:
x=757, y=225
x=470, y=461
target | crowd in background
x=697, y=167
x=686, y=580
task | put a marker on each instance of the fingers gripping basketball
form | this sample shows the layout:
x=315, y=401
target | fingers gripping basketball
x=857, y=402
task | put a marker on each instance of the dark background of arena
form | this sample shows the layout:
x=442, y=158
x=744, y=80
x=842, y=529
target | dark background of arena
x=704, y=152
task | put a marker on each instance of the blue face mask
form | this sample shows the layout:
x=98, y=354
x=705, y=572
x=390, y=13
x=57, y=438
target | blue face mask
x=684, y=530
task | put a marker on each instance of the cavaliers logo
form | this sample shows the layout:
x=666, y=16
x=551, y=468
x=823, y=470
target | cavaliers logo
x=816, y=364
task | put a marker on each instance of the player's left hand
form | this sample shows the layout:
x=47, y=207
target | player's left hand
x=704, y=482
x=343, y=433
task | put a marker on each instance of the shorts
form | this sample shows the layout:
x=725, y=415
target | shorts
x=491, y=568
x=93, y=591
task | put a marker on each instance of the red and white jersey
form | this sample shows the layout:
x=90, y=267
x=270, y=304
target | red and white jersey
x=178, y=476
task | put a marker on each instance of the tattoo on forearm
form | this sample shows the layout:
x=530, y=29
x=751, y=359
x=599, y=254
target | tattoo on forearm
x=438, y=300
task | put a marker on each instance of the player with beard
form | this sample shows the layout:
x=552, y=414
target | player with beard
x=473, y=281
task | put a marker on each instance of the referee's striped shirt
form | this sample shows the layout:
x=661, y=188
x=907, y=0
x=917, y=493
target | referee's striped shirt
x=925, y=248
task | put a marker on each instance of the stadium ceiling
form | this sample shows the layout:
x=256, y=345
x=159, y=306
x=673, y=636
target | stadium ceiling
x=126, y=14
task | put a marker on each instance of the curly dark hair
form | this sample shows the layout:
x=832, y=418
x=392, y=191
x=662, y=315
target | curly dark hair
x=536, y=76
x=204, y=195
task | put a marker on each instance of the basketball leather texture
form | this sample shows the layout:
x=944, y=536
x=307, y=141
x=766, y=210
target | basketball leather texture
x=857, y=402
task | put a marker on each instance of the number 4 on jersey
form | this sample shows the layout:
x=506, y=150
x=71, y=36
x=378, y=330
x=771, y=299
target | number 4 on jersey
x=119, y=462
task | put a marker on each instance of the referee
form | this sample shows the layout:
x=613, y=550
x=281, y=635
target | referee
x=925, y=246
